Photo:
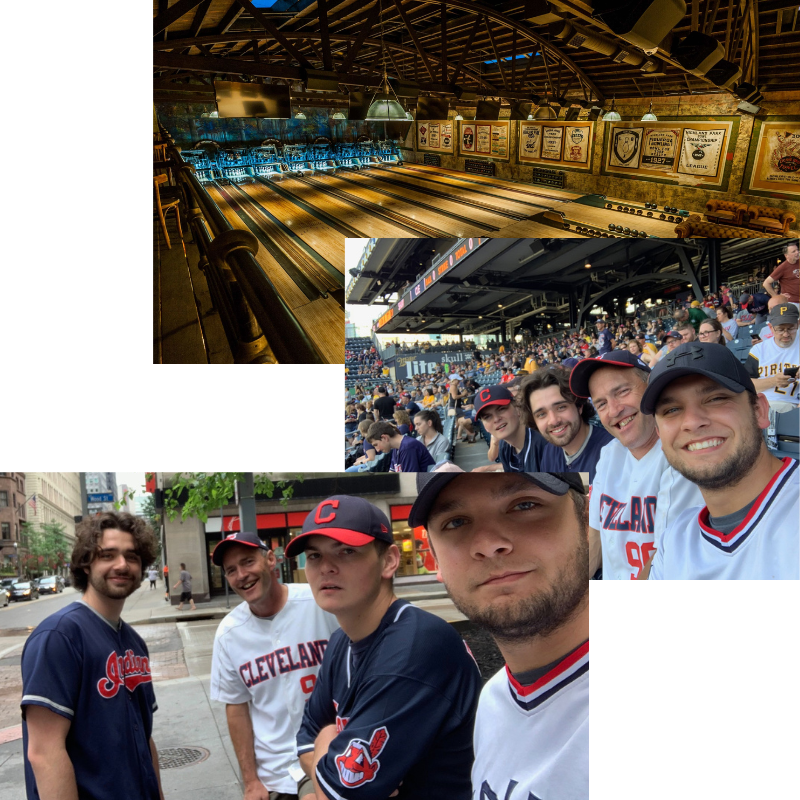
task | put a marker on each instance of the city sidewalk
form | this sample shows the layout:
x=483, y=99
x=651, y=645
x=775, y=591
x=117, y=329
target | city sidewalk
x=187, y=724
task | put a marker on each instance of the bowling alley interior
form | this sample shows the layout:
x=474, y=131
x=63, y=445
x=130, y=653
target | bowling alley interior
x=281, y=128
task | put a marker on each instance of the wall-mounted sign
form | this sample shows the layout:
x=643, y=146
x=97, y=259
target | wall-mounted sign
x=486, y=139
x=690, y=150
x=567, y=143
x=435, y=136
x=773, y=163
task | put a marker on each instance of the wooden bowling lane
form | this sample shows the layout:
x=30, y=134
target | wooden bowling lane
x=533, y=229
x=469, y=196
x=380, y=181
x=322, y=318
x=365, y=223
x=322, y=238
x=531, y=190
x=577, y=213
x=445, y=225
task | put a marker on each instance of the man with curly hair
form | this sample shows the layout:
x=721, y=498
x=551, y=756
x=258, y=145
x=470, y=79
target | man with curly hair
x=86, y=683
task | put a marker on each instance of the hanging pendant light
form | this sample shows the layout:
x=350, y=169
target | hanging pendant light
x=299, y=115
x=383, y=108
x=613, y=115
x=458, y=116
x=650, y=116
x=544, y=110
x=530, y=116
x=338, y=115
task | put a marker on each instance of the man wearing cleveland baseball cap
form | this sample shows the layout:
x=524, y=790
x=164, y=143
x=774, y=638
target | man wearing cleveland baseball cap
x=271, y=627
x=635, y=492
x=517, y=446
x=397, y=693
x=512, y=551
x=710, y=419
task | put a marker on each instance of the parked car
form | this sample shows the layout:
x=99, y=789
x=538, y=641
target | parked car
x=5, y=590
x=26, y=590
x=51, y=584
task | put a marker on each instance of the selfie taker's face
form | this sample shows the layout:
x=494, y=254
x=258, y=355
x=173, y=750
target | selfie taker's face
x=513, y=557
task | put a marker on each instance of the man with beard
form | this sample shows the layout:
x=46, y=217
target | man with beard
x=87, y=693
x=264, y=699
x=710, y=419
x=635, y=493
x=512, y=551
x=563, y=420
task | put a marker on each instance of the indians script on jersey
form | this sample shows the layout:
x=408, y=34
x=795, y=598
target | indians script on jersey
x=129, y=671
x=281, y=661
x=637, y=515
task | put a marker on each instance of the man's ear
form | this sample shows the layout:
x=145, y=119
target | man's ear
x=391, y=561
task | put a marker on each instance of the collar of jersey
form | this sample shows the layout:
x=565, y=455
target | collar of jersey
x=564, y=673
x=730, y=542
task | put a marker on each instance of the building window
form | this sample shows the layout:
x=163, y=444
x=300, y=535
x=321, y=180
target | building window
x=6, y=530
x=3, y=499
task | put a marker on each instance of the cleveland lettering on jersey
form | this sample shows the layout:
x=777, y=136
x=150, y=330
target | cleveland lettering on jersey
x=641, y=516
x=280, y=661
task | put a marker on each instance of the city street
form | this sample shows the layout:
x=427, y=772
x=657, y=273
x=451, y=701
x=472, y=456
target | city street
x=187, y=725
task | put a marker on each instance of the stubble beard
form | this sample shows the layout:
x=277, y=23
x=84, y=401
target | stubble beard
x=538, y=615
x=566, y=438
x=731, y=471
x=102, y=586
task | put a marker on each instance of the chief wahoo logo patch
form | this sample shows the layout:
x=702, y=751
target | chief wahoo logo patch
x=359, y=763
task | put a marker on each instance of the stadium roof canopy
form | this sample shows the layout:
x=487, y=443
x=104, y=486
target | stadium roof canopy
x=474, y=286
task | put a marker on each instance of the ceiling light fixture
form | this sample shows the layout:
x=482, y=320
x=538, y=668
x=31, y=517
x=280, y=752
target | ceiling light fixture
x=383, y=108
x=613, y=115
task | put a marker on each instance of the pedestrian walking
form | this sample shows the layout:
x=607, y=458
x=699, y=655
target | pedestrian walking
x=166, y=583
x=86, y=682
x=152, y=576
x=185, y=582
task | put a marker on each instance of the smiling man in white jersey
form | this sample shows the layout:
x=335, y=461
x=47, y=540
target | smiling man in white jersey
x=710, y=418
x=635, y=493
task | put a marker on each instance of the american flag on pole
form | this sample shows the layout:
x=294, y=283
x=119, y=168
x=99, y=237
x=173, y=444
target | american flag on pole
x=32, y=503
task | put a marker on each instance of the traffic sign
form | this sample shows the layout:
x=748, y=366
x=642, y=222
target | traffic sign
x=101, y=497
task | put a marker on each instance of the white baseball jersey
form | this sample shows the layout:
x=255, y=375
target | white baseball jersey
x=632, y=502
x=766, y=546
x=771, y=360
x=533, y=741
x=272, y=664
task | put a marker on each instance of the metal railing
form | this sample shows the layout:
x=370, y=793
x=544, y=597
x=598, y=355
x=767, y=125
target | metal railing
x=259, y=325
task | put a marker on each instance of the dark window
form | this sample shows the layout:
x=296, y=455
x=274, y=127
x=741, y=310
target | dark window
x=6, y=529
x=3, y=499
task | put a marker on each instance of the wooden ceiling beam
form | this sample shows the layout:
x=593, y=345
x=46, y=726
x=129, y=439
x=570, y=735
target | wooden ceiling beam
x=467, y=46
x=496, y=54
x=412, y=32
x=231, y=15
x=173, y=14
x=199, y=17
x=270, y=28
x=327, y=63
x=366, y=27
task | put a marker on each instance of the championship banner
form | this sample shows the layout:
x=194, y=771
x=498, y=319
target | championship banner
x=700, y=151
x=530, y=140
x=576, y=144
x=773, y=165
x=484, y=139
x=434, y=135
x=625, y=147
x=660, y=148
x=552, y=139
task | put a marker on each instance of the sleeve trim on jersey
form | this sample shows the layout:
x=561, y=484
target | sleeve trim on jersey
x=401, y=611
x=35, y=699
x=303, y=748
x=328, y=790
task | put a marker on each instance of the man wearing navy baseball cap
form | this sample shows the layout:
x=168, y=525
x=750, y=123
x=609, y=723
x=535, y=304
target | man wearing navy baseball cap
x=395, y=703
x=635, y=492
x=517, y=446
x=513, y=552
x=710, y=419
x=275, y=623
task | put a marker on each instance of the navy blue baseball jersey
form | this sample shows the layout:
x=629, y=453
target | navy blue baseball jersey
x=527, y=460
x=78, y=665
x=403, y=701
x=554, y=459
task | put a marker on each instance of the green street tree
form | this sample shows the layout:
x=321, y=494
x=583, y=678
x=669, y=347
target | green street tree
x=48, y=548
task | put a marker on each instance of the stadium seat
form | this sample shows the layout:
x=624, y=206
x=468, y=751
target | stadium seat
x=740, y=348
x=787, y=433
